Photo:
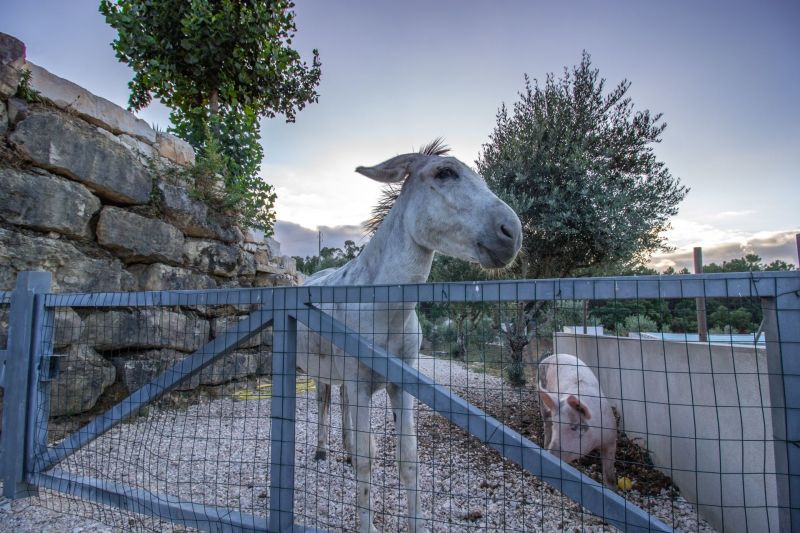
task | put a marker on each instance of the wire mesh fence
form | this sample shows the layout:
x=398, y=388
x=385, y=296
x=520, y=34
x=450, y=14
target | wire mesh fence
x=181, y=402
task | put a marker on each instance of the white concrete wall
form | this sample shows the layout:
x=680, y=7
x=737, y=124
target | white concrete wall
x=703, y=412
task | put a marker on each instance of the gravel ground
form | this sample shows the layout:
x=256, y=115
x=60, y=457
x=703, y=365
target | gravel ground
x=217, y=452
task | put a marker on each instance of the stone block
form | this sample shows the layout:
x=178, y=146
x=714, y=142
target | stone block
x=191, y=216
x=144, y=328
x=12, y=60
x=219, y=259
x=83, y=376
x=139, y=239
x=160, y=277
x=175, y=149
x=273, y=246
x=137, y=370
x=66, y=145
x=17, y=110
x=46, y=203
x=236, y=365
x=67, y=95
x=3, y=118
x=72, y=270
x=229, y=323
x=68, y=327
x=139, y=147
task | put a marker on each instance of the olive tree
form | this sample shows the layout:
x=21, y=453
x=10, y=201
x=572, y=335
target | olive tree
x=578, y=165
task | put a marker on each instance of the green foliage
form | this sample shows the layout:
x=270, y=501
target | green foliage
x=24, y=89
x=578, y=166
x=220, y=65
x=208, y=53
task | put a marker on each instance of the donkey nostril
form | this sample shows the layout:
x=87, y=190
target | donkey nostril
x=505, y=231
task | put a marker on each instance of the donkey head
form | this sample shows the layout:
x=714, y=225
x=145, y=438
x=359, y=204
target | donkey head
x=447, y=207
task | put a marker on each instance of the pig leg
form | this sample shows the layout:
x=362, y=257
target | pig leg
x=608, y=454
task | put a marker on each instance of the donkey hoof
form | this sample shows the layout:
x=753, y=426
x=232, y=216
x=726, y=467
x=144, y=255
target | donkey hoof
x=321, y=455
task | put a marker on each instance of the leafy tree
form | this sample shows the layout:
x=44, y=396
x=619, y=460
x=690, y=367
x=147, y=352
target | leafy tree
x=220, y=65
x=578, y=166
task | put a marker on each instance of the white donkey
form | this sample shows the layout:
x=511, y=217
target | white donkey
x=445, y=207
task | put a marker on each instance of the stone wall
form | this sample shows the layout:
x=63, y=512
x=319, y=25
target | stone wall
x=84, y=194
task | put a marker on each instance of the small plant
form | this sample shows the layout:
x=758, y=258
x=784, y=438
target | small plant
x=24, y=89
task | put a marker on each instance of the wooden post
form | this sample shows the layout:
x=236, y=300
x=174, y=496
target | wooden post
x=702, y=324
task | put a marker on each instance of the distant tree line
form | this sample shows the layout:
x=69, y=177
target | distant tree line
x=328, y=258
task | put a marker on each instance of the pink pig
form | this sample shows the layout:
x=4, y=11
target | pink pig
x=570, y=398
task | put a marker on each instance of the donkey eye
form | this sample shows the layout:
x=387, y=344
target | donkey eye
x=446, y=173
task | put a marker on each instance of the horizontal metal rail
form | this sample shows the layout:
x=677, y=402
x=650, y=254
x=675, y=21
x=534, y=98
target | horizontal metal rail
x=602, y=502
x=724, y=285
x=160, y=385
x=189, y=514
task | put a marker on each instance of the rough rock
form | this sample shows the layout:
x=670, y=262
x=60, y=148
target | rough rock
x=273, y=246
x=218, y=258
x=144, y=328
x=17, y=110
x=175, y=149
x=72, y=270
x=4, y=314
x=47, y=203
x=12, y=60
x=139, y=369
x=69, y=146
x=139, y=147
x=191, y=216
x=160, y=277
x=223, y=324
x=68, y=327
x=3, y=118
x=69, y=96
x=237, y=365
x=82, y=378
x=135, y=238
x=288, y=264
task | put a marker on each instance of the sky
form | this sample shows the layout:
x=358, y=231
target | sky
x=396, y=75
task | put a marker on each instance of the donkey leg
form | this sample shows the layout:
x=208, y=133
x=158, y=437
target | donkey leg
x=407, y=457
x=323, y=427
x=347, y=427
x=359, y=399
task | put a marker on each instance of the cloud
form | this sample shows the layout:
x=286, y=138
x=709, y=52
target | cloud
x=732, y=214
x=299, y=240
x=768, y=245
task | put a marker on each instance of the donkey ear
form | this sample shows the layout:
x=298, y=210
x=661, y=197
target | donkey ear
x=576, y=404
x=393, y=170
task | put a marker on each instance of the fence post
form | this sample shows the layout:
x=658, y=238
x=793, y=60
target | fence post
x=782, y=332
x=19, y=366
x=284, y=357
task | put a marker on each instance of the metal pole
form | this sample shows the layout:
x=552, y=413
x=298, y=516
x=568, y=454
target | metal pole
x=702, y=324
x=19, y=369
x=284, y=356
x=782, y=336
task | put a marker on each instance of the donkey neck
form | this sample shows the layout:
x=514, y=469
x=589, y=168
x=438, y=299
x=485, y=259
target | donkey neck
x=392, y=256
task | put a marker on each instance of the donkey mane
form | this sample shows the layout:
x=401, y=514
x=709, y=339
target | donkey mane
x=391, y=191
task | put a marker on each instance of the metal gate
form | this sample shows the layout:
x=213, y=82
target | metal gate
x=29, y=366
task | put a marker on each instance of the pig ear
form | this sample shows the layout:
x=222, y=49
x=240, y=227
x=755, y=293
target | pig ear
x=576, y=404
x=546, y=399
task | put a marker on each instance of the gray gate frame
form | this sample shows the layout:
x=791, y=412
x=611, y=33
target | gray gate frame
x=27, y=463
